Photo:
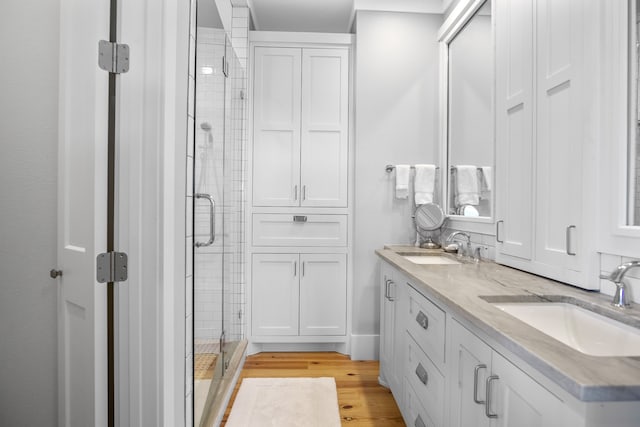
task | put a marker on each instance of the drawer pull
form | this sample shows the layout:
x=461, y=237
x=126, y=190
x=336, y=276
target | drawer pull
x=422, y=320
x=299, y=218
x=419, y=422
x=475, y=384
x=422, y=374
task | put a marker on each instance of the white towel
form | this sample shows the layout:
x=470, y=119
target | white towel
x=486, y=182
x=424, y=184
x=467, y=192
x=402, y=181
x=487, y=178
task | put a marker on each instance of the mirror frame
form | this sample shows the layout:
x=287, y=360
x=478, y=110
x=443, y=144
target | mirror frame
x=459, y=17
x=616, y=236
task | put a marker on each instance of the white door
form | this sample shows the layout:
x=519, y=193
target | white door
x=520, y=401
x=514, y=130
x=275, y=294
x=325, y=127
x=559, y=138
x=387, y=324
x=323, y=294
x=276, y=124
x=82, y=209
x=470, y=366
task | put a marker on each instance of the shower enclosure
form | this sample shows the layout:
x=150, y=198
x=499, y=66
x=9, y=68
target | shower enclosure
x=218, y=216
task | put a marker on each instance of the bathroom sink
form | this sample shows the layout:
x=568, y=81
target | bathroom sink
x=581, y=329
x=430, y=259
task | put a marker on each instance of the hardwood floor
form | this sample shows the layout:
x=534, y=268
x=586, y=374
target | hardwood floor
x=362, y=401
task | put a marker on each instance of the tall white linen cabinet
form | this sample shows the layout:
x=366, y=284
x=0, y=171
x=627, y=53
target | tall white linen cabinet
x=301, y=192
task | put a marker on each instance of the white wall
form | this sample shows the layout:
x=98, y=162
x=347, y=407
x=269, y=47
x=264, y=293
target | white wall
x=29, y=31
x=396, y=122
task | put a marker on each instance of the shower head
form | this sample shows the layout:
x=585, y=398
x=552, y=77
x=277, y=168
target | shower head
x=206, y=126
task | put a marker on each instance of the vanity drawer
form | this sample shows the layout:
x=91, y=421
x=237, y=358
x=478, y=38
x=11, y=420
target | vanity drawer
x=415, y=415
x=299, y=230
x=426, y=324
x=426, y=381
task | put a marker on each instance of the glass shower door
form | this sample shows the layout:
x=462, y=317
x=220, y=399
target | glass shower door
x=209, y=236
x=218, y=265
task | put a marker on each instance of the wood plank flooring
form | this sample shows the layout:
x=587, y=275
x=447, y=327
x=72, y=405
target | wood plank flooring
x=363, y=402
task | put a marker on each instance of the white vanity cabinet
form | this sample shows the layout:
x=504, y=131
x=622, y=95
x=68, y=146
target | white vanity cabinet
x=301, y=126
x=488, y=390
x=540, y=122
x=299, y=295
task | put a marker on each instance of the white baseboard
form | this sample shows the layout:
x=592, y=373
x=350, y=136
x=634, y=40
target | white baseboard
x=365, y=347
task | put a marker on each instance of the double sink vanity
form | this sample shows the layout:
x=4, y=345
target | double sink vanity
x=467, y=343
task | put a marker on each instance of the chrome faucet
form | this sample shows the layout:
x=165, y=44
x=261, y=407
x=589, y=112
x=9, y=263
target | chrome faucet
x=620, y=298
x=455, y=234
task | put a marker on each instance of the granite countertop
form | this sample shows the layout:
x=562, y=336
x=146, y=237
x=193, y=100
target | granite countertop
x=461, y=289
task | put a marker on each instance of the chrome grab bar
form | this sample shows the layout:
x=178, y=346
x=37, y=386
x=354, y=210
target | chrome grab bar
x=475, y=384
x=212, y=220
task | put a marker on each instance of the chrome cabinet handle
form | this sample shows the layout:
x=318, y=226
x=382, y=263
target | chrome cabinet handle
x=422, y=374
x=299, y=218
x=303, y=263
x=487, y=405
x=390, y=297
x=422, y=320
x=295, y=193
x=295, y=268
x=475, y=384
x=386, y=288
x=498, y=231
x=568, y=240
x=304, y=192
x=418, y=422
x=212, y=219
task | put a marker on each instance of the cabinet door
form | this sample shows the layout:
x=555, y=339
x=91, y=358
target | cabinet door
x=275, y=294
x=387, y=324
x=276, y=124
x=323, y=294
x=520, y=401
x=470, y=366
x=559, y=136
x=325, y=127
x=514, y=128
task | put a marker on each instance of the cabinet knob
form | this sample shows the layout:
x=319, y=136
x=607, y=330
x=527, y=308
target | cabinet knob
x=55, y=273
x=422, y=320
x=422, y=374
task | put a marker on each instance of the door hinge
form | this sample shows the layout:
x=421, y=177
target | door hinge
x=113, y=57
x=111, y=267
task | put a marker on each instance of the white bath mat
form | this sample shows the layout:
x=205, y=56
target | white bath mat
x=286, y=402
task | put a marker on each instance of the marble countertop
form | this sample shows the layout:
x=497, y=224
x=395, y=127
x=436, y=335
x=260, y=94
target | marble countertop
x=460, y=288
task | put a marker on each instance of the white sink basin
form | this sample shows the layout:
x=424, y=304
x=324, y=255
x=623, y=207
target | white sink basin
x=581, y=329
x=430, y=259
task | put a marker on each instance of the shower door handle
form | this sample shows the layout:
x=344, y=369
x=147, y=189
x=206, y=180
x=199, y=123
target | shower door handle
x=212, y=219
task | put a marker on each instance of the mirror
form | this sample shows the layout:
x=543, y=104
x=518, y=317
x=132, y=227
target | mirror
x=633, y=177
x=470, y=123
x=428, y=218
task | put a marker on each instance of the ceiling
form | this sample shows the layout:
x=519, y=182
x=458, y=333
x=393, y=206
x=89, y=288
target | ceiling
x=331, y=16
